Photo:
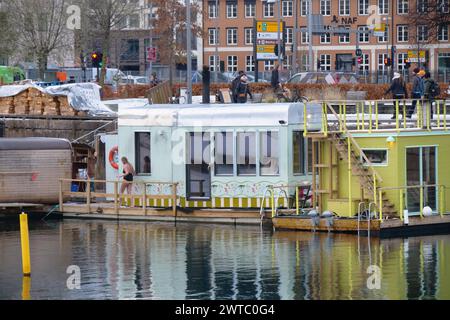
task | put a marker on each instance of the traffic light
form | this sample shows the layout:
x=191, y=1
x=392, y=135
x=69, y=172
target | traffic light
x=360, y=60
x=387, y=62
x=319, y=64
x=407, y=64
x=353, y=61
x=97, y=59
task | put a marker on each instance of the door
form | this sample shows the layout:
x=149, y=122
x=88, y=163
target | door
x=198, y=173
x=421, y=169
x=344, y=62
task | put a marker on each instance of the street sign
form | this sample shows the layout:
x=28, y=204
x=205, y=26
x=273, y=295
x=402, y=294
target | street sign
x=415, y=58
x=266, y=52
x=268, y=26
x=379, y=30
x=268, y=33
x=151, y=54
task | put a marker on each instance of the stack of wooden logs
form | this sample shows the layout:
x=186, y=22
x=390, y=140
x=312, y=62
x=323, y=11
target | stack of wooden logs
x=34, y=102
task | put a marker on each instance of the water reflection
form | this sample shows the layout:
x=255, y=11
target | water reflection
x=161, y=261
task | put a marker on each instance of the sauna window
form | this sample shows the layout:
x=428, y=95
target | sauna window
x=298, y=142
x=378, y=157
x=224, y=154
x=143, y=155
x=246, y=153
x=269, y=154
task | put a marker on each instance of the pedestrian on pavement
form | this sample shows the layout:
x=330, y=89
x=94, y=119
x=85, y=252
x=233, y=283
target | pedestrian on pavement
x=242, y=90
x=234, y=84
x=417, y=90
x=398, y=90
x=431, y=92
x=275, y=81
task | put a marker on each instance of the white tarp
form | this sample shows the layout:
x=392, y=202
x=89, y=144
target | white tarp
x=81, y=96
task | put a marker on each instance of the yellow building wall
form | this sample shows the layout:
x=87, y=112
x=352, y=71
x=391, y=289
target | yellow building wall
x=393, y=174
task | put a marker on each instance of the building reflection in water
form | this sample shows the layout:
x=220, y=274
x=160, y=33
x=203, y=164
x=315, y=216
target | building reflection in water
x=163, y=261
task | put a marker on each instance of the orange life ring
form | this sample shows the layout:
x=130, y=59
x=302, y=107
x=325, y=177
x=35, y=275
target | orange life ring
x=112, y=155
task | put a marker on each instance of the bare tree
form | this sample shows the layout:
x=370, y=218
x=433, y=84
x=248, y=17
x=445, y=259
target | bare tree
x=170, y=27
x=41, y=28
x=8, y=35
x=426, y=20
x=105, y=16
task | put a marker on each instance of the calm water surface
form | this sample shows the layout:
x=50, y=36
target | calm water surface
x=161, y=261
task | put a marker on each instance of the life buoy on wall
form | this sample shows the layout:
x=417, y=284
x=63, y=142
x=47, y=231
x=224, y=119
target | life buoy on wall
x=113, y=153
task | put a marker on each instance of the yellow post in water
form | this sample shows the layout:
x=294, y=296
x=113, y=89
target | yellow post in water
x=25, y=242
x=349, y=142
x=26, y=287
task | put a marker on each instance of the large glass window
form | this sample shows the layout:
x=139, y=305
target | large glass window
x=246, y=153
x=402, y=6
x=287, y=8
x=143, y=152
x=344, y=7
x=224, y=153
x=269, y=153
x=268, y=9
x=363, y=7
x=250, y=9
x=325, y=7
x=377, y=157
x=298, y=152
x=232, y=10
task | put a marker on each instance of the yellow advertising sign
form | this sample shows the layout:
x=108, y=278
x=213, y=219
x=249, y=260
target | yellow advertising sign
x=380, y=27
x=268, y=26
x=266, y=49
x=414, y=57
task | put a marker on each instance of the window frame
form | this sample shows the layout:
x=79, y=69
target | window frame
x=137, y=153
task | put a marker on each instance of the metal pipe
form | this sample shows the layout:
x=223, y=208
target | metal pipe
x=279, y=33
x=349, y=176
x=310, y=37
x=189, y=50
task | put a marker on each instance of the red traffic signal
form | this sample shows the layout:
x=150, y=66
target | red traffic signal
x=387, y=62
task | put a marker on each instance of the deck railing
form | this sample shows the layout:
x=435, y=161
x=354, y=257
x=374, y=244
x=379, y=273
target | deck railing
x=89, y=194
x=375, y=115
x=440, y=191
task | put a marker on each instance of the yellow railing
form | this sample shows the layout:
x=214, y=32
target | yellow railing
x=274, y=201
x=89, y=195
x=402, y=193
x=367, y=117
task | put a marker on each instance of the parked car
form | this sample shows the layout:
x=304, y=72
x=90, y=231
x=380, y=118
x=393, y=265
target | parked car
x=136, y=80
x=324, y=77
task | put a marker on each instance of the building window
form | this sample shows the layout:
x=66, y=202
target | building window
x=269, y=154
x=325, y=7
x=213, y=10
x=269, y=65
x=363, y=7
x=213, y=63
x=142, y=149
x=250, y=9
x=246, y=153
x=232, y=64
x=444, y=6
x=289, y=35
x=422, y=33
x=325, y=38
x=298, y=153
x=401, y=61
x=378, y=157
x=213, y=36
x=442, y=33
x=325, y=62
x=402, y=6
x=304, y=8
x=232, y=36
x=364, y=66
x=363, y=36
x=268, y=9
x=344, y=7
x=288, y=62
x=383, y=7
x=402, y=33
x=248, y=36
x=304, y=62
x=344, y=37
x=224, y=154
x=381, y=57
x=231, y=10
x=304, y=36
x=287, y=8
x=422, y=6
x=384, y=37
x=249, y=64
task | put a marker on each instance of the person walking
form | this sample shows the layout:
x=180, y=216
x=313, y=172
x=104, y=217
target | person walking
x=398, y=90
x=417, y=91
x=234, y=85
x=128, y=177
x=431, y=92
x=242, y=90
x=275, y=81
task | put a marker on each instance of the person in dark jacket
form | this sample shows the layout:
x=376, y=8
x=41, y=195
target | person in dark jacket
x=275, y=81
x=417, y=91
x=429, y=98
x=398, y=90
x=242, y=90
x=234, y=85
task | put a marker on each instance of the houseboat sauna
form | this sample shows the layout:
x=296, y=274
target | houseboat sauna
x=221, y=156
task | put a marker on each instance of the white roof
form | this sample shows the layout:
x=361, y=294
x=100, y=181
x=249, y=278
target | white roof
x=235, y=115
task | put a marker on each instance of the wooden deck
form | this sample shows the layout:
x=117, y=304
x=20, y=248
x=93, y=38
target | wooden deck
x=386, y=228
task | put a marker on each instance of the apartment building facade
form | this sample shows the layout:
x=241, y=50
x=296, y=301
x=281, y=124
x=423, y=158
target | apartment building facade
x=230, y=35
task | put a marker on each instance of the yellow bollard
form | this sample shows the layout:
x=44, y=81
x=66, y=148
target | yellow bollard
x=401, y=204
x=376, y=115
x=297, y=198
x=25, y=242
x=421, y=201
x=26, y=286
